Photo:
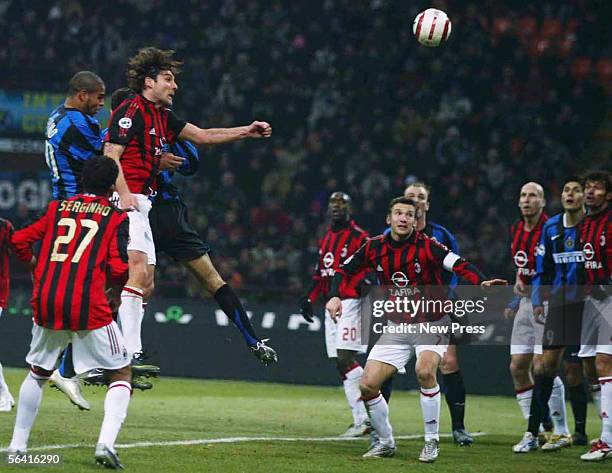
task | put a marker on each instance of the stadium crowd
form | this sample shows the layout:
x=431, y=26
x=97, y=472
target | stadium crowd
x=356, y=105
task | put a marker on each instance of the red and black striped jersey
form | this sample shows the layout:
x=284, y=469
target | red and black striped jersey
x=417, y=261
x=83, y=250
x=6, y=230
x=145, y=131
x=596, y=240
x=335, y=247
x=524, y=246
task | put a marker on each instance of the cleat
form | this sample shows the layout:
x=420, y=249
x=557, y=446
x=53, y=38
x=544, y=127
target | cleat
x=380, y=450
x=599, y=452
x=544, y=436
x=6, y=399
x=579, y=439
x=267, y=355
x=557, y=442
x=595, y=441
x=462, y=438
x=95, y=377
x=430, y=451
x=528, y=443
x=358, y=430
x=139, y=383
x=140, y=368
x=71, y=387
x=107, y=458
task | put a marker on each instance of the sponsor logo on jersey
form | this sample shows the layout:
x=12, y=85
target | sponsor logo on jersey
x=568, y=257
x=399, y=279
x=520, y=259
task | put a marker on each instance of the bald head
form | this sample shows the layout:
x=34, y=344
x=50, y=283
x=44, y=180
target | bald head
x=531, y=200
x=339, y=207
x=86, y=92
x=84, y=81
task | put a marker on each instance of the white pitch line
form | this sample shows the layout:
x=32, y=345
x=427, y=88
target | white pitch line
x=174, y=443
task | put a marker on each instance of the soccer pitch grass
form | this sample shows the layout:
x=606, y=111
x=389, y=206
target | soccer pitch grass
x=182, y=410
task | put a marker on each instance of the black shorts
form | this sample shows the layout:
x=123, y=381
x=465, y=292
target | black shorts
x=571, y=354
x=563, y=324
x=173, y=234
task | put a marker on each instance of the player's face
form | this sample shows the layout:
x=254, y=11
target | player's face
x=338, y=210
x=420, y=196
x=572, y=196
x=402, y=220
x=164, y=88
x=531, y=200
x=595, y=194
x=94, y=101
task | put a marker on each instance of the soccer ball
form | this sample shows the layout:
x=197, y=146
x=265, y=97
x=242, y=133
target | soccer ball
x=431, y=27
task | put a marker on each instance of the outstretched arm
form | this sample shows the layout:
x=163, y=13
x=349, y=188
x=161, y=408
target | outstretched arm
x=215, y=136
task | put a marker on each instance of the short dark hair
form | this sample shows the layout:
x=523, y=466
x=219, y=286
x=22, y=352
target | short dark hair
x=573, y=178
x=600, y=176
x=119, y=96
x=149, y=62
x=99, y=174
x=400, y=200
x=84, y=81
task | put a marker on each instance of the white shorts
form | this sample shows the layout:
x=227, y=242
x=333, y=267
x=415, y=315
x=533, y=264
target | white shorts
x=596, y=333
x=397, y=349
x=100, y=348
x=346, y=333
x=141, y=235
x=527, y=334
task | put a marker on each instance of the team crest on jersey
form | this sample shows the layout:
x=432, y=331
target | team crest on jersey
x=520, y=259
x=569, y=243
x=399, y=279
x=125, y=123
x=344, y=251
x=588, y=252
x=328, y=259
x=417, y=268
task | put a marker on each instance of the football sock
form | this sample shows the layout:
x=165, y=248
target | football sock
x=596, y=395
x=115, y=411
x=66, y=368
x=231, y=305
x=2, y=382
x=578, y=399
x=131, y=314
x=523, y=397
x=30, y=396
x=541, y=395
x=454, y=392
x=387, y=388
x=558, y=410
x=379, y=417
x=430, y=405
x=606, y=409
x=351, y=380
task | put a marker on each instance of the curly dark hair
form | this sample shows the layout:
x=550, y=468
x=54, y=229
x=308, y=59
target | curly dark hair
x=149, y=62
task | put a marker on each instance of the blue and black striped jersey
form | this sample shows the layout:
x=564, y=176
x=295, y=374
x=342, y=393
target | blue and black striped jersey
x=558, y=261
x=72, y=137
x=166, y=190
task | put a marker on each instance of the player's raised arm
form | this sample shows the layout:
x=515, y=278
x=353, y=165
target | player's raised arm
x=216, y=136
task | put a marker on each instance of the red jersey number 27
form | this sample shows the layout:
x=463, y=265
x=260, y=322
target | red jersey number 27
x=91, y=227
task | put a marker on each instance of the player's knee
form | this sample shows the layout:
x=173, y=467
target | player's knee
x=148, y=291
x=603, y=365
x=345, y=361
x=449, y=365
x=573, y=374
x=426, y=375
x=518, y=369
x=368, y=387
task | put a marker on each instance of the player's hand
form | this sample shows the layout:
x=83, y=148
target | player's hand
x=306, y=309
x=520, y=289
x=170, y=162
x=494, y=282
x=509, y=313
x=128, y=202
x=539, y=314
x=259, y=130
x=334, y=307
x=267, y=355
